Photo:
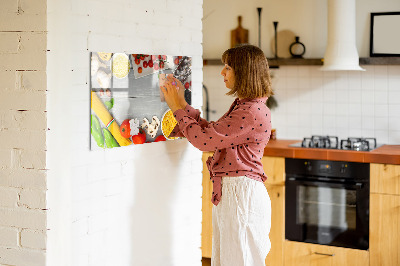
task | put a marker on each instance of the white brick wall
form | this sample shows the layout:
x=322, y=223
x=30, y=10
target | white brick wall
x=34, y=239
x=23, y=133
x=135, y=205
x=9, y=237
x=99, y=204
x=8, y=197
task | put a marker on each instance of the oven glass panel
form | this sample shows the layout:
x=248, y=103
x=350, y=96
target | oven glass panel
x=326, y=207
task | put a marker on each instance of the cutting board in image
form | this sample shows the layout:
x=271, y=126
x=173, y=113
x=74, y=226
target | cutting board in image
x=239, y=35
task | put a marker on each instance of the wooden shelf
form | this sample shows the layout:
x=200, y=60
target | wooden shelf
x=273, y=63
x=380, y=61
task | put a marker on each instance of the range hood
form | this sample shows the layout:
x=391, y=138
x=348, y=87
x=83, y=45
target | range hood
x=341, y=51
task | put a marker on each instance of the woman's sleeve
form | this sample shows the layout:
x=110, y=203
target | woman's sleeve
x=193, y=113
x=229, y=131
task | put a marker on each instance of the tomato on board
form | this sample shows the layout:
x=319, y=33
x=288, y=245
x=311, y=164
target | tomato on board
x=137, y=140
x=150, y=63
x=125, y=129
x=145, y=64
x=160, y=138
x=137, y=61
x=140, y=138
x=140, y=70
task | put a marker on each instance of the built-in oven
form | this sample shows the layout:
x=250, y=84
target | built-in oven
x=327, y=202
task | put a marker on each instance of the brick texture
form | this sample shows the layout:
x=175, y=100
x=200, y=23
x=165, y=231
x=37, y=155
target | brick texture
x=23, y=119
x=23, y=178
x=23, y=100
x=23, y=218
x=8, y=197
x=33, y=199
x=17, y=256
x=9, y=237
x=23, y=125
x=33, y=239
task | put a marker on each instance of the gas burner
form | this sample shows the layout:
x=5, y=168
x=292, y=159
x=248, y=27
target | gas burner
x=327, y=142
x=332, y=142
x=358, y=144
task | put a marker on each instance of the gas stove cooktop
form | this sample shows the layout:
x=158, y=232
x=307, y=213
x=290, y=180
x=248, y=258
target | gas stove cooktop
x=332, y=142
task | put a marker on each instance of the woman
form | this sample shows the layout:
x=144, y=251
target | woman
x=242, y=208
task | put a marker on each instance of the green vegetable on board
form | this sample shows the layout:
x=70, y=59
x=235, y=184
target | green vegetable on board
x=110, y=141
x=95, y=129
x=109, y=104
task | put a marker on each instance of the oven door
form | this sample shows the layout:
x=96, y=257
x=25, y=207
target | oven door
x=327, y=213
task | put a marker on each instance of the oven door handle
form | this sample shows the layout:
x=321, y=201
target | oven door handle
x=357, y=185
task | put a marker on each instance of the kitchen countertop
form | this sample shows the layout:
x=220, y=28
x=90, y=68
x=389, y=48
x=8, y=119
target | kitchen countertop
x=389, y=154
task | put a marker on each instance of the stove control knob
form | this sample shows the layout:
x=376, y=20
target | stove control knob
x=308, y=166
x=343, y=168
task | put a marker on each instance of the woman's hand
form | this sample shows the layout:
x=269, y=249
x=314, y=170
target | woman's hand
x=174, y=92
x=181, y=90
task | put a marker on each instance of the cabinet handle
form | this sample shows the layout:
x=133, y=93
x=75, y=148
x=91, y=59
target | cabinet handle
x=324, y=254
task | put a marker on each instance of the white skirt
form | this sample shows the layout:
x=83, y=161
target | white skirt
x=241, y=223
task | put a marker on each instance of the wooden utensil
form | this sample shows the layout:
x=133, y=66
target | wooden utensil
x=239, y=35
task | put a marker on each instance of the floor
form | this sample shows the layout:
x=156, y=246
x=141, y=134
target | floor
x=206, y=261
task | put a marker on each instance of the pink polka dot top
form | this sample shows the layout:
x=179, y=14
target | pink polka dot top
x=238, y=139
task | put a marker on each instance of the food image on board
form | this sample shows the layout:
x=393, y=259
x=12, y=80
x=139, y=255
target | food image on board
x=127, y=105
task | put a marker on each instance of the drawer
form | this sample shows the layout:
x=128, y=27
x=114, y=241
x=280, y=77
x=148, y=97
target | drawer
x=298, y=253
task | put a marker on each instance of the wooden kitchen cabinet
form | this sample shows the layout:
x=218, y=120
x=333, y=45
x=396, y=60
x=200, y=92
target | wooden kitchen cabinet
x=385, y=178
x=274, y=168
x=206, y=226
x=277, y=233
x=384, y=236
x=305, y=254
x=384, y=215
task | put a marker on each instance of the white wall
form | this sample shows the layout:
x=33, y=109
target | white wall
x=343, y=104
x=135, y=205
x=311, y=102
x=23, y=133
x=306, y=19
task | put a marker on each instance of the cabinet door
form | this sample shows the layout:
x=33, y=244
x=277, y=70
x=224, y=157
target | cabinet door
x=274, y=168
x=206, y=232
x=277, y=233
x=385, y=178
x=384, y=230
x=304, y=254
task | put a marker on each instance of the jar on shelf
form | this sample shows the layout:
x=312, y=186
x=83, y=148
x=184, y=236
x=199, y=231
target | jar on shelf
x=297, y=49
